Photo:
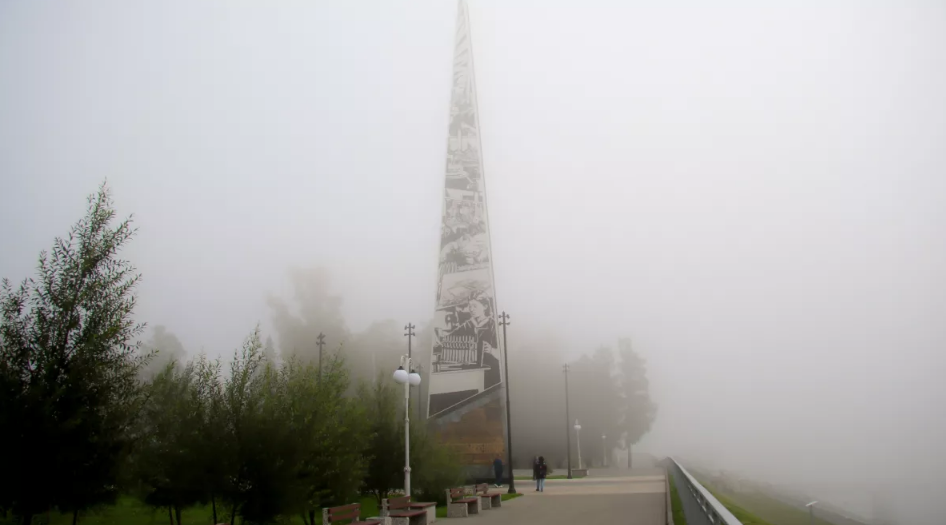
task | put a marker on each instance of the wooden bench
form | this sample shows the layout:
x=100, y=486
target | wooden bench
x=461, y=505
x=403, y=511
x=347, y=513
x=489, y=500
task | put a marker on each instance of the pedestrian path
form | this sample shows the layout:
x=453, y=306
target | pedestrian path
x=636, y=498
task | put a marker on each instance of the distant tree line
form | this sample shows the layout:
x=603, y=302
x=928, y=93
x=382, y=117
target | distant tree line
x=86, y=415
x=608, y=395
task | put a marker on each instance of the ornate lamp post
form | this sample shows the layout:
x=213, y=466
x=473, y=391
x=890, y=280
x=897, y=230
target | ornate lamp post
x=512, y=479
x=408, y=380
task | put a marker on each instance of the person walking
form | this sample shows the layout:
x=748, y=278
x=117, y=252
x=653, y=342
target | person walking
x=540, y=474
x=498, y=470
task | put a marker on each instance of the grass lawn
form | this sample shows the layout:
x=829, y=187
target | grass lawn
x=757, y=508
x=772, y=510
x=746, y=517
x=679, y=518
x=129, y=511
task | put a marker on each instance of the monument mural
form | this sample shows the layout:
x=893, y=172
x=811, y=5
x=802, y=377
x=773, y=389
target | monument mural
x=465, y=391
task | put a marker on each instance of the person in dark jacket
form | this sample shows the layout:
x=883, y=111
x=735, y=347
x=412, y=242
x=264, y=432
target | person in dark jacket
x=498, y=470
x=540, y=474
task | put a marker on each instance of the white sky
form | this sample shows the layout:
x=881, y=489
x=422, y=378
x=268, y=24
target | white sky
x=753, y=191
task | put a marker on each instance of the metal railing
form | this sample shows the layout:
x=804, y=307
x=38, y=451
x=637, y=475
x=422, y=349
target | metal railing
x=715, y=511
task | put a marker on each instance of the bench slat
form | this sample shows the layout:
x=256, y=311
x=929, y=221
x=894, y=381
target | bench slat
x=353, y=515
x=334, y=510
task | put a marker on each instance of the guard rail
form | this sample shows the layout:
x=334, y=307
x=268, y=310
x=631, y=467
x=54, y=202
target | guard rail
x=715, y=511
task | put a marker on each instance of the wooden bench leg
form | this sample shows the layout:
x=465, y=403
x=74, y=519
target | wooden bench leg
x=457, y=510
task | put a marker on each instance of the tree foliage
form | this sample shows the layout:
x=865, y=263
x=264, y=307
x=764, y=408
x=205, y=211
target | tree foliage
x=68, y=369
x=164, y=347
x=636, y=411
x=85, y=416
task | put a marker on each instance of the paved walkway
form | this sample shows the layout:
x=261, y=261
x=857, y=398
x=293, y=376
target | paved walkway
x=636, y=498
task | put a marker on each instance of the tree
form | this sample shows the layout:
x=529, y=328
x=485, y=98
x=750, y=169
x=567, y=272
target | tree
x=68, y=369
x=376, y=349
x=538, y=397
x=637, y=411
x=386, y=446
x=169, y=455
x=165, y=348
x=317, y=311
x=434, y=467
x=263, y=454
x=334, y=432
x=595, y=402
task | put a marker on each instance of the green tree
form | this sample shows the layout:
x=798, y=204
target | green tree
x=68, y=369
x=253, y=434
x=168, y=463
x=316, y=311
x=334, y=431
x=637, y=412
x=386, y=446
x=165, y=348
x=434, y=467
x=596, y=402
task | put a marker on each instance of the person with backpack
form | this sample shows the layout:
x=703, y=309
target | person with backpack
x=541, y=471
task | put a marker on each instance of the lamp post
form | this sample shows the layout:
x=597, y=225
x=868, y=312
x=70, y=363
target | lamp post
x=568, y=419
x=320, y=342
x=512, y=479
x=409, y=334
x=408, y=380
x=578, y=441
x=604, y=452
x=811, y=512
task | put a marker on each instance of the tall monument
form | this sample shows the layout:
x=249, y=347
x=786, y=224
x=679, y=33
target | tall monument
x=466, y=397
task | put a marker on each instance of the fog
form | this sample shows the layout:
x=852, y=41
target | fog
x=755, y=195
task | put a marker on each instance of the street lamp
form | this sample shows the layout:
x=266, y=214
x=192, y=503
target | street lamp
x=320, y=342
x=512, y=479
x=604, y=452
x=568, y=434
x=811, y=511
x=409, y=334
x=408, y=380
x=578, y=441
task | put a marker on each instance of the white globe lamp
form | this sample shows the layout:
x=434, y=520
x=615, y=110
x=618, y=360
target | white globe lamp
x=400, y=375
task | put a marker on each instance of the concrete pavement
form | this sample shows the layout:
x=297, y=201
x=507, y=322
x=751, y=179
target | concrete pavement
x=636, y=498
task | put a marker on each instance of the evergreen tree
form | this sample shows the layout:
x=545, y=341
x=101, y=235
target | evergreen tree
x=637, y=411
